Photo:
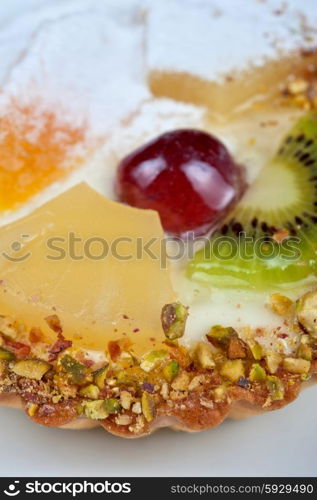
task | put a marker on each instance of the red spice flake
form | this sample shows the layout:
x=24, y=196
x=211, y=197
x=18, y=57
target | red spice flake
x=125, y=316
x=54, y=323
x=59, y=346
x=114, y=350
x=20, y=350
x=87, y=362
x=83, y=360
x=282, y=335
x=136, y=330
x=35, y=334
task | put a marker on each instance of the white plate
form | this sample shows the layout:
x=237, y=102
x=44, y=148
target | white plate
x=281, y=443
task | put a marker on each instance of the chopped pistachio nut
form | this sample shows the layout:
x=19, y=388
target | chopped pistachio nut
x=112, y=405
x=148, y=406
x=232, y=369
x=137, y=408
x=100, y=377
x=171, y=370
x=220, y=394
x=32, y=409
x=203, y=356
x=280, y=304
x=165, y=391
x=237, y=349
x=153, y=359
x=57, y=398
x=91, y=391
x=275, y=387
x=256, y=349
x=296, y=365
x=220, y=334
x=273, y=360
x=305, y=352
x=305, y=339
x=77, y=371
x=196, y=382
x=6, y=355
x=306, y=310
x=305, y=376
x=80, y=409
x=181, y=382
x=173, y=319
x=122, y=378
x=31, y=368
x=95, y=409
x=123, y=420
x=125, y=400
x=257, y=373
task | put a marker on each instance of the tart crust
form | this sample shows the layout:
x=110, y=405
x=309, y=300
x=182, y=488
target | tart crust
x=188, y=415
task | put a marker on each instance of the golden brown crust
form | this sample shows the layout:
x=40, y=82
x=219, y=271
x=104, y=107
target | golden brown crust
x=188, y=415
x=191, y=390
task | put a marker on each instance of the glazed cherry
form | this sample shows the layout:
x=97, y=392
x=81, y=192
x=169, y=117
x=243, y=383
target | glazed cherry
x=188, y=176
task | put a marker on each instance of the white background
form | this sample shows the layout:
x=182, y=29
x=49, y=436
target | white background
x=278, y=443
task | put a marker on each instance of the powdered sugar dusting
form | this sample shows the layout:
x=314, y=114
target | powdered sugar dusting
x=211, y=38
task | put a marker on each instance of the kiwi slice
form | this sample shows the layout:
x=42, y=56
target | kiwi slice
x=270, y=237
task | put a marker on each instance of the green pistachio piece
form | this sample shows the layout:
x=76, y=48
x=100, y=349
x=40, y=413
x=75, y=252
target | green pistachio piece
x=273, y=360
x=204, y=356
x=170, y=370
x=232, y=370
x=31, y=368
x=220, y=394
x=256, y=349
x=91, y=391
x=32, y=409
x=95, y=409
x=153, y=359
x=305, y=352
x=296, y=365
x=112, y=405
x=221, y=335
x=77, y=371
x=148, y=406
x=6, y=355
x=257, y=373
x=100, y=377
x=174, y=317
x=305, y=339
x=306, y=310
x=275, y=387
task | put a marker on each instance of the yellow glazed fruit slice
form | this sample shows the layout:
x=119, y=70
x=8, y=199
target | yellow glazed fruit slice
x=109, y=282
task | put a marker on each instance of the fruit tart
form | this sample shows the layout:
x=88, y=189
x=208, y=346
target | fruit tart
x=158, y=213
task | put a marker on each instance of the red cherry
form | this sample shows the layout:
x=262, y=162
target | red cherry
x=188, y=176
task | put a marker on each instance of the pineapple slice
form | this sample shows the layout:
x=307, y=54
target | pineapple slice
x=97, y=264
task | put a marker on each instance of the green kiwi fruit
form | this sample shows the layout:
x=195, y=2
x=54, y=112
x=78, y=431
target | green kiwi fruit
x=270, y=237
